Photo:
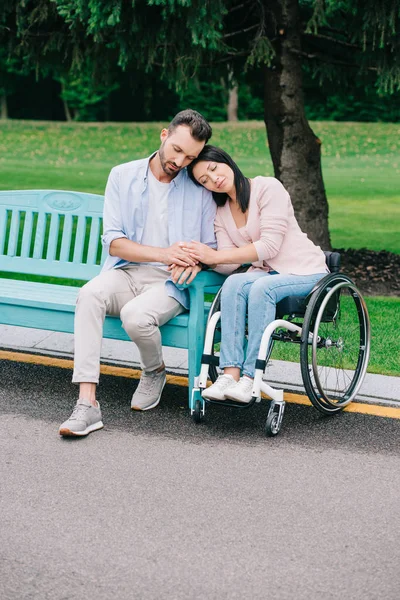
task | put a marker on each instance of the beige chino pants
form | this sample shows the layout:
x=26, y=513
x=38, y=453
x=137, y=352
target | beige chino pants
x=137, y=294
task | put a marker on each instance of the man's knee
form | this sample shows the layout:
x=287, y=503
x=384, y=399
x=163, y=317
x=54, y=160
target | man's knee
x=90, y=292
x=135, y=323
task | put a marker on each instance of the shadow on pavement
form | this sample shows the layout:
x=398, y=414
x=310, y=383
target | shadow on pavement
x=46, y=393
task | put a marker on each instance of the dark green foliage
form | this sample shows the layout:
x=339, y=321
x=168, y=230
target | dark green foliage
x=85, y=45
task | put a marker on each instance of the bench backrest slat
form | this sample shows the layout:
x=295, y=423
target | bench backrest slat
x=39, y=236
x=27, y=234
x=53, y=237
x=55, y=233
x=13, y=233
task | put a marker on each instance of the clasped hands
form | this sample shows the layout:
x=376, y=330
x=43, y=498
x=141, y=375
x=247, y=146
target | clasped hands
x=185, y=258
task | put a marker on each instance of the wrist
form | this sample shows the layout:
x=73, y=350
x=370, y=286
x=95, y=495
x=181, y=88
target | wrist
x=161, y=256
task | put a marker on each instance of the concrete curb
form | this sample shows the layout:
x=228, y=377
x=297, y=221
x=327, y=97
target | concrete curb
x=381, y=389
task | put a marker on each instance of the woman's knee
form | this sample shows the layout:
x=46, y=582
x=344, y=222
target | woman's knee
x=235, y=284
x=263, y=288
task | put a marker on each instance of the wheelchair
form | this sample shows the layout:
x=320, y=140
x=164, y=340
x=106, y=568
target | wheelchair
x=332, y=329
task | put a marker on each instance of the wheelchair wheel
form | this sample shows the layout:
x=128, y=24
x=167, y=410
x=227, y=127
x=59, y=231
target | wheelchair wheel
x=335, y=344
x=213, y=371
x=197, y=415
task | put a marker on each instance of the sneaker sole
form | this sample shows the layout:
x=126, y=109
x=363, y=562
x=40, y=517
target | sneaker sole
x=214, y=398
x=151, y=405
x=238, y=399
x=65, y=432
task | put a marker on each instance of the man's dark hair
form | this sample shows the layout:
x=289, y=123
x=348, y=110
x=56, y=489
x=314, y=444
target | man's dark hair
x=242, y=184
x=199, y=127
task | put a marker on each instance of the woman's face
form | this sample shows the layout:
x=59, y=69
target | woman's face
x=214, y=176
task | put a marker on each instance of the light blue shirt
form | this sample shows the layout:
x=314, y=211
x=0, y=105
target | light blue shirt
x=191, y=213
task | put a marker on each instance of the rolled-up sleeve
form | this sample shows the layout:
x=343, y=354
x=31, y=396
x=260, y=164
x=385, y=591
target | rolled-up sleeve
x=224, y=242
x=209, y=209
x=274, y=206
x=112, y=217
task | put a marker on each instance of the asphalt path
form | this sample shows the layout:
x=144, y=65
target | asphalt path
x=154, y=506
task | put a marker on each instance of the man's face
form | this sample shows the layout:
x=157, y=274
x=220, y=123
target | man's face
x=178, y=149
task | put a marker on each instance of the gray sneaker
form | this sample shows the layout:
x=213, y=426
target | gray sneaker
x=148, y=393
x=84, y=419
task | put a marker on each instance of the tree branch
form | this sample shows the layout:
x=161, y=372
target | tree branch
x=331, y=39
x=228, y=35
x=234, y=8
x=324, y=59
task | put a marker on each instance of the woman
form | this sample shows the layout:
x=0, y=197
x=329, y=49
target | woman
x=255, y=224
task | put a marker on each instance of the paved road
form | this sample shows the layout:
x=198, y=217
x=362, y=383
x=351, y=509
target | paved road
x=154, y=507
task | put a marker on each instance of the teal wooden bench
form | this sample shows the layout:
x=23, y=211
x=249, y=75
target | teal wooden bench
x=58, y=234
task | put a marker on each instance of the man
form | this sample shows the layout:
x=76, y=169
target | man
x=150, y=207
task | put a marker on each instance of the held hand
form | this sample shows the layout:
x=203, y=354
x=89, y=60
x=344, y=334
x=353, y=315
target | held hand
x=175, y=254
x=201, y=253
x=182, y=275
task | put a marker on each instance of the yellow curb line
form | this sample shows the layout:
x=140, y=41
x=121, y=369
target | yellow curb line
x=63, y=363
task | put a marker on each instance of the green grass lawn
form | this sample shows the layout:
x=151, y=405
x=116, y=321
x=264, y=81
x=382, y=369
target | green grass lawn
x=385, y=341
x=361, y=167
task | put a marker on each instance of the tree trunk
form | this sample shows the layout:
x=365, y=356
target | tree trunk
x=295, y=150
x=3, y=108
x=233, y=103
x=67, y=112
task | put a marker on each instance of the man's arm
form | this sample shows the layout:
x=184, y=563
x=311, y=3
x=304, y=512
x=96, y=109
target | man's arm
x=134, y=252
x=116, y=242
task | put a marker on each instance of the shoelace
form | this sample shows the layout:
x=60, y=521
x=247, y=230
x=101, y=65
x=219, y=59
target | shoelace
x=246, y=383
x=79, y=412
x=223, y=381
x=147, y=383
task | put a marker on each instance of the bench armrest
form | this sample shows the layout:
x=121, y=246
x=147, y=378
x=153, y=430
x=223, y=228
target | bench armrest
x=206, y=279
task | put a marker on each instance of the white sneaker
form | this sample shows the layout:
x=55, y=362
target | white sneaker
x=241, y=392
x=216, y=391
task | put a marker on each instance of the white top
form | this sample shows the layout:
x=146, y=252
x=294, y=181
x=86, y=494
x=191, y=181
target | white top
x=155, y=231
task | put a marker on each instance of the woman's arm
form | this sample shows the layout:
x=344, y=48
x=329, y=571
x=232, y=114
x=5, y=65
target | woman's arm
x=227, y=254
x=274, y=206
x=274, y=209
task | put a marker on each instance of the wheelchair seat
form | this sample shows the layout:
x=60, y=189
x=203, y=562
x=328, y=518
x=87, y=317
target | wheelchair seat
x=295, y=306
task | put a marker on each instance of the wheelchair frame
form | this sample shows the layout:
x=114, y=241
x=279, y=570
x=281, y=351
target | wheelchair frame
x=321, y=313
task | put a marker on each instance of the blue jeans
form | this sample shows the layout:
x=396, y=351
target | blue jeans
x=254, y=294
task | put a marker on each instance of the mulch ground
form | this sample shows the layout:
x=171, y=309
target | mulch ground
x=374, y=273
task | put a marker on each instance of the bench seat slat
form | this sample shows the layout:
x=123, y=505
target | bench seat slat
x=53, y=297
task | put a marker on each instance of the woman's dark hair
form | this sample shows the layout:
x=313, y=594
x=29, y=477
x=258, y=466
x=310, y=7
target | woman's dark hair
x=242, y=184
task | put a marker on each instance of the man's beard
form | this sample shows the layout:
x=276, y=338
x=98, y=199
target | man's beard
x=164, y=163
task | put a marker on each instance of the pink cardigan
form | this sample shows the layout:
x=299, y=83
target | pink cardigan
x=272, y=227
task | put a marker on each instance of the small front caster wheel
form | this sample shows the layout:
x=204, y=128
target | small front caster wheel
x=272, y=425
x=197, y=414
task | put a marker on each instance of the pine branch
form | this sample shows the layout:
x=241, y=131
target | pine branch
x=331, y=39
x=239, y=6
x=327, y=61
x=228, y=35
